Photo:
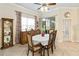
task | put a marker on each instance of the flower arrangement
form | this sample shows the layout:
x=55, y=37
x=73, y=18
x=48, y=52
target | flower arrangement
x=42, y=34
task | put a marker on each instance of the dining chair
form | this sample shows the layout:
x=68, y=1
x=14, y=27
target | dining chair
x=32, y=46
x=54, y=38
x=51, y=30
x=48, y=46
x=37, y=31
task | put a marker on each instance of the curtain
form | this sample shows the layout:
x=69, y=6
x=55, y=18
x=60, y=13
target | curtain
x=18, y=26
x=36, y=22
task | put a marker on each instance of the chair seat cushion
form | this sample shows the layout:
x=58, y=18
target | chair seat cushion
x=35, y=43
x=36, y=48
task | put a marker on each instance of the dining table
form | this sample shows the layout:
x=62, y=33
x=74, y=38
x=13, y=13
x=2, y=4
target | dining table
x=41, y=39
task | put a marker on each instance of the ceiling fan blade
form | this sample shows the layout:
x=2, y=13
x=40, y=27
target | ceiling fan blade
x=51, y=3
x=37, y=3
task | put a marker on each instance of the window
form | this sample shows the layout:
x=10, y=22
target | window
x=48, y=23
x=27, y=24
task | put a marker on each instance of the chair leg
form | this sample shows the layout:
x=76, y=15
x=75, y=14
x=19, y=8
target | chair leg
x=40, y=52
x=28, y=52
x=43, y=52
x=48, y=52
x=32, y=53
x=52, y=48
x=54, y=45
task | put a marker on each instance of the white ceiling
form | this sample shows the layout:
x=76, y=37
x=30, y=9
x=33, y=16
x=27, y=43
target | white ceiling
x=33, y=6
x=29, y=5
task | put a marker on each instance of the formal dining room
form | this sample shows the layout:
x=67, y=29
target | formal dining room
x=39, y=29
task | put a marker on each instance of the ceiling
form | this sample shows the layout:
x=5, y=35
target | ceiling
x=34, y=7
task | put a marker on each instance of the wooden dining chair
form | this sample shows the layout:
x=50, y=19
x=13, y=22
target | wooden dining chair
x=37, y=31
x=54, y=38
x=48, y=46
x=32, y=46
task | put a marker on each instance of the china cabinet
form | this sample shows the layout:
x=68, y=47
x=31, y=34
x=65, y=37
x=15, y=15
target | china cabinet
x=7, y=32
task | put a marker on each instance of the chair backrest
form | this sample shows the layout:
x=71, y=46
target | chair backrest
x=51, y=30
x=30, y=35
x=30, y=42
x=50, y=38
x=38, y=31
x=54, y=34
x=32, y=32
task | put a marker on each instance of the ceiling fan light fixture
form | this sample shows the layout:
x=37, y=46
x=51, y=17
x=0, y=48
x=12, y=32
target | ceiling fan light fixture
x=44, y=9
x=44, y=6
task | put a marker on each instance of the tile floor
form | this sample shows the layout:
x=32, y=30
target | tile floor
x=62, y=49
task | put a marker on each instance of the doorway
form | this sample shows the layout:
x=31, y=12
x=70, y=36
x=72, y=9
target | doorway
x=67, y=30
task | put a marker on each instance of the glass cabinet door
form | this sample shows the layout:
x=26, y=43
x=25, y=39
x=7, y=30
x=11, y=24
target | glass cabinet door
x=7, y=32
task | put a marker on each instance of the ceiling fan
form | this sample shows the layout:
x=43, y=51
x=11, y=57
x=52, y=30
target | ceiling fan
x=48, y=5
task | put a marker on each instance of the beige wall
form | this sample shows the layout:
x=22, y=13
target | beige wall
x=76, y=27
x=8, y=11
